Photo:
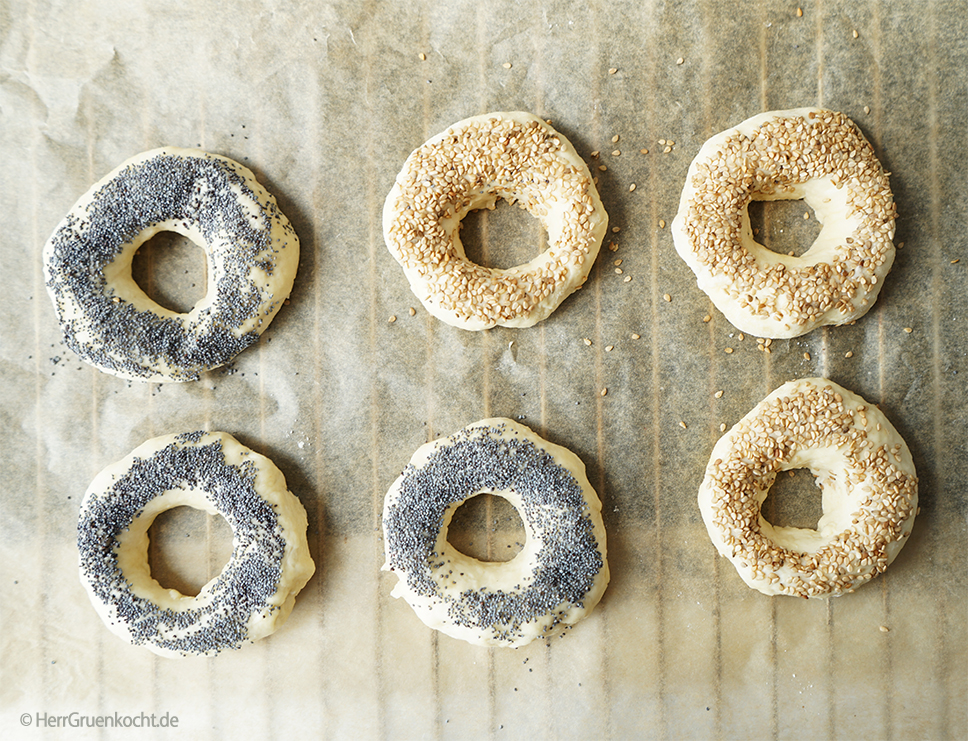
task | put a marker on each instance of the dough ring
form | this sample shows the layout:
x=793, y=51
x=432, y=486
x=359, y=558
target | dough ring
x=251, y=252
x=819, y=156
x=870, y=491
x=211, y=471
x=558, y=576
x=515, y=156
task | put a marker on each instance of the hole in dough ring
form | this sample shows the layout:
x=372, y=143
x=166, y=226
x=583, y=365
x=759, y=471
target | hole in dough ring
x=870, y=491
x=515, y=156
x=211, y=471
x=809, y=153
x=558, y=576
x=251, y=253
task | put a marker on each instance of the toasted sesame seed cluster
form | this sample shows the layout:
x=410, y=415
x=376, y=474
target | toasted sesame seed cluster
x=211, y=471
x=557, y=578
x=515, y=156
x=863, y=466
x=817, y=155
x=251, y=251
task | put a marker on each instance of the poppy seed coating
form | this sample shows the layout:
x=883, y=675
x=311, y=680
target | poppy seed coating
x=251, y=251
x=188, y=469
x=563, y=564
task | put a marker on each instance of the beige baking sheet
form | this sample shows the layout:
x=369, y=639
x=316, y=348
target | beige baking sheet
x=324, y=101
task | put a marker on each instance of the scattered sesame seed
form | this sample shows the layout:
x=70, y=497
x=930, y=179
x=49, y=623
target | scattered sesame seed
x=636, y=336
x=586, y=341
x=594, y=154
x=722, y=427
x=603, y=168
x=392, y=319
x=799, y=12
x=955, y=261
x=619, y=261
x=616, y=229
x=884, y=629
x=667, y=150
x=854, y=33
x=506, y=65
x=683, y=425
x=806, y=356
x=612, y=246
x=908, y=330
x=728, y=351
x=603, y=392
x=643, y=151
x=631, y=187
x=680, y=60
x=615, y=139
x=662, y=223
x=867, y=109
x=609, y=348
x=423, y=57
x=666, y=297
x=619, y=271
x=706, y=319
x=616, y=152
x=612, y=70
x=849, y=354
x=412, y=311
x=719, y=394
x=627, y=278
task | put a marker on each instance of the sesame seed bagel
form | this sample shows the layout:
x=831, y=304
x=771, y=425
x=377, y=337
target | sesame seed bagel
x=556, y=579
x=819, y=156
x=251, y=253
x=870, y=491
x=515, y=156
x=210, y=471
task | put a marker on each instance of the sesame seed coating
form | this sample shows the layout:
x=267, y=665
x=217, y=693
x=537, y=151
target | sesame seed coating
x=254, y=593
x=862, y=465
x=814, y=154
x=556, y=579
x=251, y=252
x=515, y=156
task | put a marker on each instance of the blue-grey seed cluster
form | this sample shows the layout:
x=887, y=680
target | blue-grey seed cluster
x=553, y=505
x=195, y=191
x=245, y=585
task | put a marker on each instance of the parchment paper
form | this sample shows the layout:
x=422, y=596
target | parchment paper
x=324, y=101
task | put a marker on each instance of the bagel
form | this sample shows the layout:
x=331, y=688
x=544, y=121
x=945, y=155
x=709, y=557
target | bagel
x=251, y=253
x=515, y=156
x=817, y=155
x=211, y=471
x=557, y=577
x=863, y=466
